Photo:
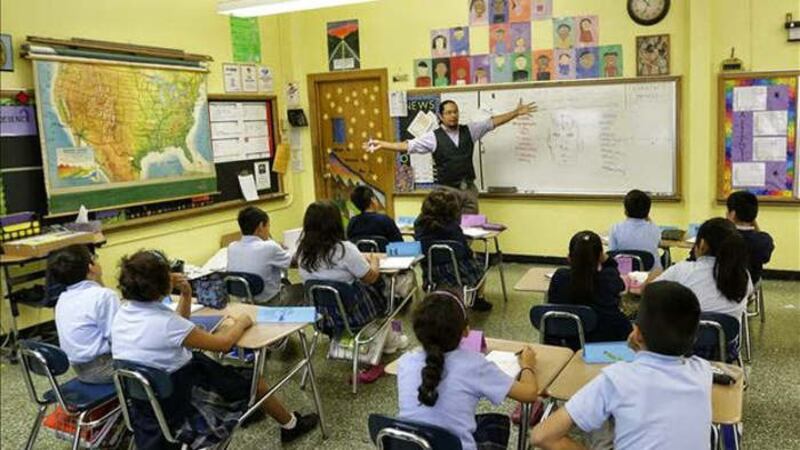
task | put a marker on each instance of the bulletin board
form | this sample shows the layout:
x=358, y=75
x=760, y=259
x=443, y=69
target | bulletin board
x=758, y=141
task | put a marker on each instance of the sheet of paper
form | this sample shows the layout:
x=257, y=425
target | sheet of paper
x=475, y=232
x=218, y=262
x=749, y=175
x=232, y=77
x=261, y=170
x=255, y=128
x=422, y=163
x=506, y=361
x=770, y=123
x=280, y=163
x=398, y=104
x=397, y=262
x=753, y=98
x=254, y=111
x=420, y=125
x=225, y=130
x=286, y=314
x=255, y=147
x=247, y=183
x=769, y=148
x=290, y=239
x=226, y=149
x=265, y=79
x=224, y=111
x=249, y=78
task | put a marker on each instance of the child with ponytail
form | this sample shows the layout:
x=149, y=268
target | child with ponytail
x=592, y=280
x=719, y=276
x=442, y=384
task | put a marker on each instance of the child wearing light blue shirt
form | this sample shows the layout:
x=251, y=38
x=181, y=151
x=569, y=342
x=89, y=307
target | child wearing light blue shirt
x=637, y=232
x=661, y=400
x=84, y=313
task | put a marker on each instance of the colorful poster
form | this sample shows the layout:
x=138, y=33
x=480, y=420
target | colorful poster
x=588, y=64
x=478, y=13
x=422, y=73
x=499, y=11
x=563, y=33
x=245, y=39
x=652, y=55
x=499, y=39
x=344, y=51
x=459, y=41
x=522, y=67
x=17, y=121
x=440, y=43
x=611, y=61
x=564, y=64
x=543, y=65
x=520, y=37
x=519, y=11
x=501, y=68
x=441, y=72
x=481, y=69
x=588, y=29
x=460, y=70
x=542, y=9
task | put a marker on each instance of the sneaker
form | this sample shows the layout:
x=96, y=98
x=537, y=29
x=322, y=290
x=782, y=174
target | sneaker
x=395, y=341
x=368, y=376
x=304, y=425
x=481, y=305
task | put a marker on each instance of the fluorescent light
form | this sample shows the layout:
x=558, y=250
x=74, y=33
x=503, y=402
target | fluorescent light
x=255, y=8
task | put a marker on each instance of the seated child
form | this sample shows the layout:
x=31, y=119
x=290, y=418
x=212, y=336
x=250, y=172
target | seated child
x=84, y=313
x=440, y=220
x=147, y=332
x=636, y=232
x=443, y=384
x=719, y=276
x=370, y=222
x=258, y=254
x=661, y=400
x=592, y=280
x=742, y=211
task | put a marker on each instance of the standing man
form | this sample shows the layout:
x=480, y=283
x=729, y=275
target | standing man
x=452, y=146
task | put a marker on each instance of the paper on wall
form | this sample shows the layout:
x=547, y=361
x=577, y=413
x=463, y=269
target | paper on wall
x=226, y=149
x=255, y=147
x=254, y=111
x=749, y=175
x=249, y=78
x=225, y=130
x=398, y=104
x=422, y=163
x=769, y=148
x=261, y=170
x=232, y=76
x=753, y=98
x=224, y=111
x=255, y=128
x=265, y=80
x=770, y=123
x=248, y=185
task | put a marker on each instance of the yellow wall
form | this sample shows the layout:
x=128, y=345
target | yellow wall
x=393, y=33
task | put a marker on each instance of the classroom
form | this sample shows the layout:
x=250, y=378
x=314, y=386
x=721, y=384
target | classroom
x=366, y=218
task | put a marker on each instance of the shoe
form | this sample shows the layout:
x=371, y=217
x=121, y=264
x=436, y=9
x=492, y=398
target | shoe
x=395, y=341
x=304, y=425
x=481, y=305
x=370, y=375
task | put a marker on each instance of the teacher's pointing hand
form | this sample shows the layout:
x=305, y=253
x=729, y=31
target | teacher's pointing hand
x=525, y=109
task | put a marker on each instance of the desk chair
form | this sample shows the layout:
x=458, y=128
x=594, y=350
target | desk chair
x=371, y=244
x=388, y=433
x=76, y=398
x=561, y=324
x=243, y=285
x=329, y=299
x=757, y=300
x=644, y=261
x=443, y=255
x=718, y=338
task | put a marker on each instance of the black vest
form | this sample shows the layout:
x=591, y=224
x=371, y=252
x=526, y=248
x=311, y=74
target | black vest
x=453, y=164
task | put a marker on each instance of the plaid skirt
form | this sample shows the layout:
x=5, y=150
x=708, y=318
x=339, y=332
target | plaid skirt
x=492, y=431
x=443, y=275
x=364, y=304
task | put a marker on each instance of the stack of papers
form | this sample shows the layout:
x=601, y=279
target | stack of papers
x=286, y=314
x=399, y=262
x=506, y=361
x=475, y=232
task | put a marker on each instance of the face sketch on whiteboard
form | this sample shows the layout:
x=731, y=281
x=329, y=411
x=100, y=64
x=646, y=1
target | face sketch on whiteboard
x=565, y=141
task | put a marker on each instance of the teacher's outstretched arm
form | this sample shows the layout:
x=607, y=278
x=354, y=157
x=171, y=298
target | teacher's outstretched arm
x=522, y=110
x=374, y=145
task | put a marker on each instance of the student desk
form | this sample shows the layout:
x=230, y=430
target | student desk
x=535, y=280
x=261, y=335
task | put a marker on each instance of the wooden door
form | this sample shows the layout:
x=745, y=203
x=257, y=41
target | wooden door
x=347, y=108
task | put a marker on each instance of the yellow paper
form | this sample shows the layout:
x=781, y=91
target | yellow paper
x=281, y=162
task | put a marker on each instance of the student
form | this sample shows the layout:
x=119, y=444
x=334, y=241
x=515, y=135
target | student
x=443, y=384
x=440, y=220
x=592, y=280
x=147, y=332
x=637, y=232
x=84, y=313
x=742, y=211
x=370, y=222
x=661, y=400
x=258, y=254
x=719, y=276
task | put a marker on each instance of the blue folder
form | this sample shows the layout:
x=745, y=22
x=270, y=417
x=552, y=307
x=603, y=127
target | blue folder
x=207, y=323
x=286, y=314
x=413, y=248
x=607, y=352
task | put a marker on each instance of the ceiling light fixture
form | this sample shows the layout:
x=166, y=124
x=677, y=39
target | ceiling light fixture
x=255, y=8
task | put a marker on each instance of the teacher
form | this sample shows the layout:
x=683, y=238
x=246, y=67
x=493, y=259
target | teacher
x=452, y=146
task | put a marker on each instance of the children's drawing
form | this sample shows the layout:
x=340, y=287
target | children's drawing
x=611, y=61
x=459, y=41
x=563, y=33
x=501, y=68
x=587, y=65
x=481, y=70
x=565, y=64
x=543, y=65
x=499, y=39
x=440, y=43
x=542, y=9
x=520, y=37
x=459, y=70
x=422, y=73
x=499, y=11
x=478, y=13
x=522, y=67
x=519, y=11
x=441, y=71
x=587, y=31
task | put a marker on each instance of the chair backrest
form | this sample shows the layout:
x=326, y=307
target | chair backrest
x=562, y=324
x=330, y=299
x=717, y=337
x=46, y=360
x=443, y=253
x=389, y=433
x=643, y=261
x=243, y=285
x=371, y=244
x=134, y=381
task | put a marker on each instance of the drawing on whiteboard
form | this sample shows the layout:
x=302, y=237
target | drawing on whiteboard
x=565, y=139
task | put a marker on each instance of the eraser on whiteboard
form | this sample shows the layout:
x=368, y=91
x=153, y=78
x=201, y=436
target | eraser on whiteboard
x=502, y=190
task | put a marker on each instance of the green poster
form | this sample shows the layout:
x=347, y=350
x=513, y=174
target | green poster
x=245, y=39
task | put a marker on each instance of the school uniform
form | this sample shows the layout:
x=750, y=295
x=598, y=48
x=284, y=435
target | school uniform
x=83, y=315
x=760, y=245
x=612, y=325
x=636, y=234
x=699, y=277
x=469, y=269
x=373, y=224
x=265, y=258
x=657, y=402
x=467, y=378
x=151, y=334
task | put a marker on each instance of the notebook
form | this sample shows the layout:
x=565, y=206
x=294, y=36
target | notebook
x=286, y=314
x=607, y=352
x=506, y=361
x=412, y=248
x=207, y=323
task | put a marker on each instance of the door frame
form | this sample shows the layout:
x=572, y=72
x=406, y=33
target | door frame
x=318, y=153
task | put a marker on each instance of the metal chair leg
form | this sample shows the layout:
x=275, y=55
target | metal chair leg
x=746, y=336
x=311, y=351
x=76, y=439
x=762, y=312
x=310, y=372
x=355, y=366
x=37, y=424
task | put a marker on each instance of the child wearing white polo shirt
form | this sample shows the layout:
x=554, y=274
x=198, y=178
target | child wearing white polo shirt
x=84, y=313
x=661, y=400
x=147, y=332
